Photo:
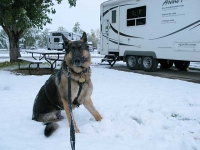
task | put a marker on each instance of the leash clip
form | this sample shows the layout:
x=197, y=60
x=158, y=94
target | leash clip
x=69, y=72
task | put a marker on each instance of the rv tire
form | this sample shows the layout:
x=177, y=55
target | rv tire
x=182, y=65
x=166, y=65
x=132, y=62
x=149, y=64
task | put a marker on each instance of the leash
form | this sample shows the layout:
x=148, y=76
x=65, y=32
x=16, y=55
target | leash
x=72, y=130
x=75, y=102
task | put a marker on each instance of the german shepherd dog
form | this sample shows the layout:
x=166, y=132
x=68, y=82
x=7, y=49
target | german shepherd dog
x=53, y=95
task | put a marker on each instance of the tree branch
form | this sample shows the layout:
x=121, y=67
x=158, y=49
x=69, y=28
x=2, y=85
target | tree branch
x=21, y=32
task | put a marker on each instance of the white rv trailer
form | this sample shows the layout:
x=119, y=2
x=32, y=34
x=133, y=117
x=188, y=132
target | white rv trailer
x=55, y=38
x=144, y=33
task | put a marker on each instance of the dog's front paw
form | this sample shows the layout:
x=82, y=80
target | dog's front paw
x=98, y=118
x=77, y=130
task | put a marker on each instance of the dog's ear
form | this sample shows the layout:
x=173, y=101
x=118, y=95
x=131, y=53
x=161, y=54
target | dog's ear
x=84, y=37
x=65, y=40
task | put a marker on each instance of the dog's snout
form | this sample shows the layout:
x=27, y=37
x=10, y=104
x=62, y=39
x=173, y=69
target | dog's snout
x=77, y=62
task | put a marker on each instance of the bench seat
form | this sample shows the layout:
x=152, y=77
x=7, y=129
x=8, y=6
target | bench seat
x=31, y=61
x=60, y=59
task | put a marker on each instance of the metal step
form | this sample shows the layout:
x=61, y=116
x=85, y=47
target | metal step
x=110, y=58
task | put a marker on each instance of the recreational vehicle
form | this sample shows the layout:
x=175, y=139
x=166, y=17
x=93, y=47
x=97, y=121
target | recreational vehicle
x=55, y=38
x=90, y=46
x=143, y=33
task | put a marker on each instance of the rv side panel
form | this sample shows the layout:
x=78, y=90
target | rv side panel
x=168, y=29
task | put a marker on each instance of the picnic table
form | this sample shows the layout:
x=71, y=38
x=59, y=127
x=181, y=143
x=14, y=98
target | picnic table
x=50, y=56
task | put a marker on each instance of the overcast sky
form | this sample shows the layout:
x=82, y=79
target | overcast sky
x=86, y=12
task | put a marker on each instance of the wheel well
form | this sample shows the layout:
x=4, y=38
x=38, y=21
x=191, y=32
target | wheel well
x=139, y=54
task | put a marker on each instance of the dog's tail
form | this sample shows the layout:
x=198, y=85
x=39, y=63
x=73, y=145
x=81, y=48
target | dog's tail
x=50, y=128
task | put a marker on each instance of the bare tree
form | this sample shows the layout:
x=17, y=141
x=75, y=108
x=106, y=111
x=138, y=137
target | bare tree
x=42, y=38
x=94, y=37
x=76, y=28
x=61, y=29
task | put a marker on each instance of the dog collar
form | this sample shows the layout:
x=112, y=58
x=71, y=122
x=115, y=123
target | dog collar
x=79, y=73
x=83, y=71
x=70, y=70
x=81, y=80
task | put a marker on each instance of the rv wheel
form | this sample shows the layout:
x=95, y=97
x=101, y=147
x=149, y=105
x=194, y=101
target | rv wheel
x=132, y=62
x=182, y=65
x=149, y=63
x=166, y=65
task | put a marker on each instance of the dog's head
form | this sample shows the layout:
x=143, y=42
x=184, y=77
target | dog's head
x=77, y=53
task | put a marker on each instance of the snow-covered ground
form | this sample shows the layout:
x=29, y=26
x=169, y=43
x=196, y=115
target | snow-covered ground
x=140, y=112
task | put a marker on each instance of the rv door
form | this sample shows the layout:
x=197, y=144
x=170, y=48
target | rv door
x=104, y=30
x=110, y=29
x=113, y=29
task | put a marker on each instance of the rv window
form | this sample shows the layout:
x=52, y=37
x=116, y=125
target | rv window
x=136, y=16
x=140, y=21
x=56, y=39
x=114, y=16
x=130, y=22
x=56, y=34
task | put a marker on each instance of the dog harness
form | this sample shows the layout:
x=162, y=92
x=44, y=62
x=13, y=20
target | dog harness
x=80, y=82
x=75, y=102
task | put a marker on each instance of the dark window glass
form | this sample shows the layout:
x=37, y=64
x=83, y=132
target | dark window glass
x=140, y=21
x=136, y=16
x=114, y=16
x=56, y=39
x=137, y=12
x=56, y=34
x=131, y=22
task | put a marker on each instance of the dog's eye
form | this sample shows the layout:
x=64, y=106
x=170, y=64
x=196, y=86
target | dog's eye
x=84, y=58
x=87, y=47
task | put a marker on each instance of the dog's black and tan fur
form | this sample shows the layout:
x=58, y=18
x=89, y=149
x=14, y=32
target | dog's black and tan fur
x=53, y=95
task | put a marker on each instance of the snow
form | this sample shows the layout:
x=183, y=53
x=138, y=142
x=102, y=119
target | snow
x=4, y=41
x=140, y=112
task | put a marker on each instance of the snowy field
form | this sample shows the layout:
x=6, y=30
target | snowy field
x=140, y=112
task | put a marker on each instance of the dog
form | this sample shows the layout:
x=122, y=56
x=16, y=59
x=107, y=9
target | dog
x=53, y=95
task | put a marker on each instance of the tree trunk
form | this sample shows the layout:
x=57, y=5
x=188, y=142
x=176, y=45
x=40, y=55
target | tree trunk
x=14, y=36
x=14, y=47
